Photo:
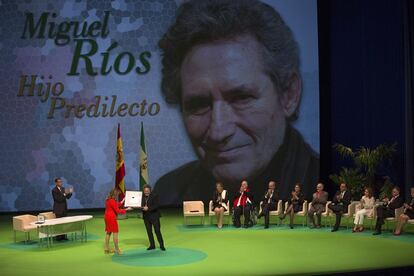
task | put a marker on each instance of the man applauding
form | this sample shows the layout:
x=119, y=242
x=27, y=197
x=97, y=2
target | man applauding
x=60, y=206
x=339, y=204
x=269, y=202
x=387, y=209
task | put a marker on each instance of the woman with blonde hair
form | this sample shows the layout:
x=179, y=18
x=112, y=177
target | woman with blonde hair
x=407, y=215
x=220, y=200
x=367, y=205
x=112, y=208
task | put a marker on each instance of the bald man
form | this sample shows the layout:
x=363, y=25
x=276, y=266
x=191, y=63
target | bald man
x=269, y=202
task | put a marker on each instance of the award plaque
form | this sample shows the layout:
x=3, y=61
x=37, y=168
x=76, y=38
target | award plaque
x=133, y=198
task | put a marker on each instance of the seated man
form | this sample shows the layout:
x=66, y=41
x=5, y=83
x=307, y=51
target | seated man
x=339, y=204
x=320, y=197
x=242, y=204
x=387, y=209
x=269, y=202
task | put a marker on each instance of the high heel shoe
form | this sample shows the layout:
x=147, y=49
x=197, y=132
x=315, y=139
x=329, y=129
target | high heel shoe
x=118, y=252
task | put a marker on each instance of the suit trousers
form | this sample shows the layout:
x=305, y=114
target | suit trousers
x=317, y=209
x=266, y=208
x=338, y=210
x=149, y=223
x=238, y=212
x=383, y=212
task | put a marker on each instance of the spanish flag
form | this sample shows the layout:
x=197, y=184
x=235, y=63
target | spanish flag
x=120, y=166
x=143, y=168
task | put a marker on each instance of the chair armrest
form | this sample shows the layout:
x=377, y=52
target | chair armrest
x=305, y=206
x=279, y=205
x=351, y=207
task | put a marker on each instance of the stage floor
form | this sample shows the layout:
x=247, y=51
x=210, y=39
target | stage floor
x=206, y=250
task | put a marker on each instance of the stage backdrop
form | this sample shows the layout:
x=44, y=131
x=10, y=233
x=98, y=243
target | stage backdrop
x=112, y=69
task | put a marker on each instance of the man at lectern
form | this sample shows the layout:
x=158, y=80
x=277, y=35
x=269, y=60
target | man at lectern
x=60, y=207
x=151, y=216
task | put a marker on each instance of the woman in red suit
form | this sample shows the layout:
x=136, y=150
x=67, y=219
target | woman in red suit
x=111, y=225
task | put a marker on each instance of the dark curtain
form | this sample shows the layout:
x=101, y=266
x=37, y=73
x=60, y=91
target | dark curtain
x=363, y=50
x=409, y=92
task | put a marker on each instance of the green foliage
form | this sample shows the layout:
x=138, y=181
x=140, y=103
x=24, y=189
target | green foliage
x=366, y=162
x=369, y=159
x=386, y=189
x=344, y=151
x=354, y=179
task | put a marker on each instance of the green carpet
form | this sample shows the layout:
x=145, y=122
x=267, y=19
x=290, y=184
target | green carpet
x=205, y=250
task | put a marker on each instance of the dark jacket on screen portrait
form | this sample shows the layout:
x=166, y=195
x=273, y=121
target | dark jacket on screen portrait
x=294, y=162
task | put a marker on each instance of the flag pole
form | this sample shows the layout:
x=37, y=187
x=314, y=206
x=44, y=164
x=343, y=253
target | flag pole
x=143, y=163
x=120, y=169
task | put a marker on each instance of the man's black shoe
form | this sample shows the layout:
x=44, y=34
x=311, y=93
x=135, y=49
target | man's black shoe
x=151, y=248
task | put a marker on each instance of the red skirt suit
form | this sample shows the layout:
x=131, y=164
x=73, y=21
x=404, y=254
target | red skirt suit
x=111, y=210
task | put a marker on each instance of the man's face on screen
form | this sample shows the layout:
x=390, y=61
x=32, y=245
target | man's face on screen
x=231, y=108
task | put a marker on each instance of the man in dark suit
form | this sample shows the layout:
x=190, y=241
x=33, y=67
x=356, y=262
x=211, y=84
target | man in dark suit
x=60, y=206
x=151, y=216
x=339, y=205
x=269, y=202
x=387, y=209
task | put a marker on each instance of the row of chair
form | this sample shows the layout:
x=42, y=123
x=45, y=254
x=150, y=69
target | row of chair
x=24, y=223
x=196, y=209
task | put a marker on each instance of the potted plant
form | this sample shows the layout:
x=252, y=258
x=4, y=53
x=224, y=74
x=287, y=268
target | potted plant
x=366, y=163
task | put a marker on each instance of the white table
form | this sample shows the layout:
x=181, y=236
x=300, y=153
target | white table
x=60, y=226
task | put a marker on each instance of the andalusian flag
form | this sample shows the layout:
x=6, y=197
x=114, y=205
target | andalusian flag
x=120, y=166
x=143, y=168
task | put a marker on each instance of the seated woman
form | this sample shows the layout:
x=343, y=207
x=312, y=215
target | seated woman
x=367, y=204
x=295, y=204
x=111, y=225
x=219, y=203
x=408, y=214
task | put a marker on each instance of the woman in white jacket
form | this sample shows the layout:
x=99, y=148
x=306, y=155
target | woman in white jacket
x=220, y=200
x=367, y=205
